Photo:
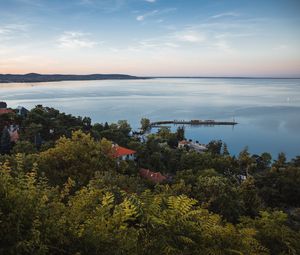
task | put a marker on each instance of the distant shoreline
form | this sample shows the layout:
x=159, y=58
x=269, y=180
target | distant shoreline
x=38, y=78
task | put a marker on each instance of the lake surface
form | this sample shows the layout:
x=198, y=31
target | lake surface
x=267, y=110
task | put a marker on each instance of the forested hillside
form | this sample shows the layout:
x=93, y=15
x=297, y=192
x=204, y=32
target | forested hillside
x=63, y=191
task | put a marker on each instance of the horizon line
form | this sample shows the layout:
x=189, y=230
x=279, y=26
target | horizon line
x=167, y=76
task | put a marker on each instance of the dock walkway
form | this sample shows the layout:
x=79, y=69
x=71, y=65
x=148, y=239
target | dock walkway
x=193, y=122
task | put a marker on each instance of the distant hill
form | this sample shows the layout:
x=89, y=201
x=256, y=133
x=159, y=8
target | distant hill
x=35, y=77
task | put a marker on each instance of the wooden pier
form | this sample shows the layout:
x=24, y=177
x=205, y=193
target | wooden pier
x=193, y=122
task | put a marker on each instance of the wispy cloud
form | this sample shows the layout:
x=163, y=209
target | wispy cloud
x=154, y=13
x=12, y=28
x=223, y=46
x=226, y=14
x=171, y=45
x=233, y=35
x=190, y=36
x=146, y=15
x=75, y=40
x=150, y=44
x=150, y=1
x=12, y=31
x=157, y=43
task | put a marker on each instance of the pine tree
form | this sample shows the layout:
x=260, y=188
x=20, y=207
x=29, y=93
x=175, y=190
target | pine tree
x=106, y=126
x=225, y=150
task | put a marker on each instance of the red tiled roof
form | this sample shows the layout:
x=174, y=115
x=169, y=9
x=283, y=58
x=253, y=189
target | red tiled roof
x=152, y=176
x=119, y=151
x=4, y=111
x=184, y=142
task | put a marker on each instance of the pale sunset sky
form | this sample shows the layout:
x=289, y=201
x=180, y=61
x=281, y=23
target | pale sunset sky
x=151, y=37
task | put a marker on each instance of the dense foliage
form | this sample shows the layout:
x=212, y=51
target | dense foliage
x=63, y=192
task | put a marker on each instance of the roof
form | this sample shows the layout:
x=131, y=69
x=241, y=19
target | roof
x=120, y=151
x=184, y=142
x=4, y=111
x=155, y=177
x=198, y=146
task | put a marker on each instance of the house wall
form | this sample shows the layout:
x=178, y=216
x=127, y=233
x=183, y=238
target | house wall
x=127, y=157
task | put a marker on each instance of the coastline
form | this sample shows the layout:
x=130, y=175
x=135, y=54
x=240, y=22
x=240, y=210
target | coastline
x=37, y=78
x=40, y=78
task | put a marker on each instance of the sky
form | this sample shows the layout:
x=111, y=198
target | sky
x=151, y=37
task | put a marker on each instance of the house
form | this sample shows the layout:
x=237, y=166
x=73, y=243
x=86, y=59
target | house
x=5, y=111
x=198, y=147
x=22, y=111
x=182, y=144
x=13, y=131
x=141, y=137
x=3, y=105
x=195, y=146
x=155, y=177
x=3, y=108
x=122, y=153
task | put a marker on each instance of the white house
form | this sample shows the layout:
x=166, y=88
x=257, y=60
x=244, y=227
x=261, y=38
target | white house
x=198, y=147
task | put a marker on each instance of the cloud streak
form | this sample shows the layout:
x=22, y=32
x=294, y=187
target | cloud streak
x=190, y=36
x=225, y=14
x=11, y=31
x=146, y=15
x=75, y=40
x=154, y=13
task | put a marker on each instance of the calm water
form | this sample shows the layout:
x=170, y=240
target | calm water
x=268, y=110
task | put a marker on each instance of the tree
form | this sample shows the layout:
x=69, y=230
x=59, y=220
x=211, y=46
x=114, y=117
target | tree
x=281, y=161
x=273, y=232
x=220, y=196
x=265, y=161
x=71, y=196
x=32, y=131
x=78, y=157
x=96, y=130
x=106, y=126
x=252, y=203
x=172, y=140
x=5, y=141
x=215, y=147
x=52, y=124
x=31, y=214
x=115, y=135
x=99, y=219
x=124, y=127
x=177, y=225
x=180, y=133
x=280, y=187
x=8, y=118
x=86, y=121
x=296, y=161
x=225, y=150
x=24, y=147
x=145, y=124
x=246, y=163
x=164, y=133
